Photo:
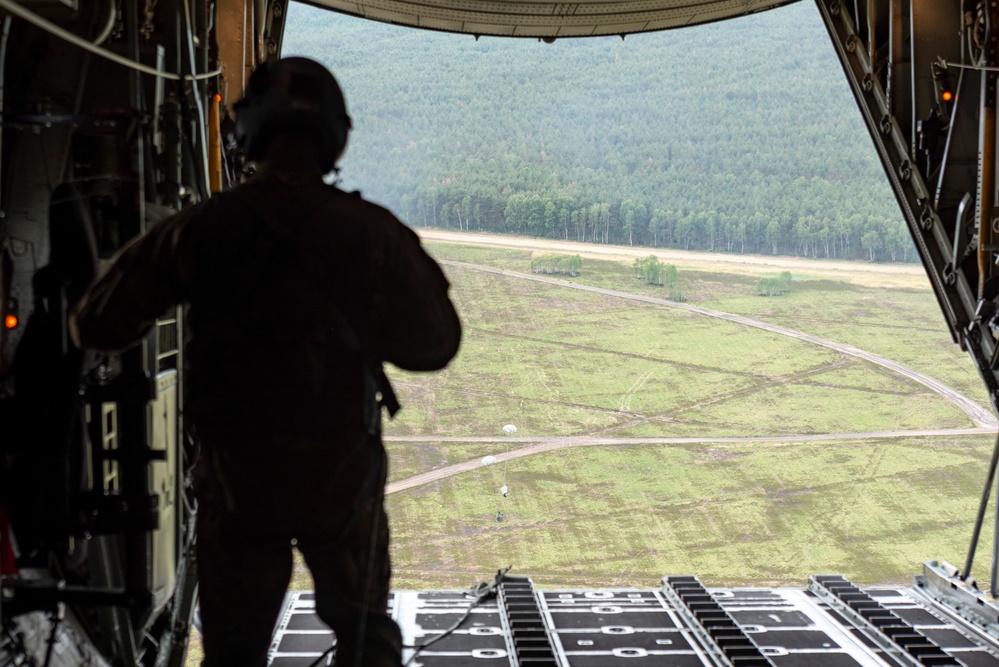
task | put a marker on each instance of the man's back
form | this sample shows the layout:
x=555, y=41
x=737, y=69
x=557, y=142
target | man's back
x=291, y=285
x=297, y=292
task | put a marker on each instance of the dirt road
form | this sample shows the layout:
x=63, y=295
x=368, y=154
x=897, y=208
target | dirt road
x=979, y=415
x=539, y=445
x=902, y=275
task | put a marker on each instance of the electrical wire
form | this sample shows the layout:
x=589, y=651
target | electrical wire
x=481, y=591
x=946, y=64
x=52, y=641
x=29, y=16
x=109, y=28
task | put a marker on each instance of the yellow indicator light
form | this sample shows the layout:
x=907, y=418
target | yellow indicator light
x=10, y=321
x=947, y=96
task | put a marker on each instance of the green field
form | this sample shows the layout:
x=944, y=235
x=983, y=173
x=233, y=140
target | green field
x=561, y=362
x=762, y=514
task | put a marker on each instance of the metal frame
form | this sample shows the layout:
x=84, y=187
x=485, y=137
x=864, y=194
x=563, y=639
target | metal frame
x=921, y=138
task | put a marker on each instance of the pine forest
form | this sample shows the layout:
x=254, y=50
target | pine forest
x=740, y=136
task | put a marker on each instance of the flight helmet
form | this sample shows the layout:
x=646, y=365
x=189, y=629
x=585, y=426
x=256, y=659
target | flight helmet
x=293, y=95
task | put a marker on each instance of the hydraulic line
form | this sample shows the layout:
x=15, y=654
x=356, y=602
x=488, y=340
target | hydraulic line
x=987, y=150
x=988, y=155
x=980, y=518
x=3, y=64
x=19, y=11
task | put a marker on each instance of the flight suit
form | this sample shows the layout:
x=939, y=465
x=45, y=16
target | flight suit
x=297, y=292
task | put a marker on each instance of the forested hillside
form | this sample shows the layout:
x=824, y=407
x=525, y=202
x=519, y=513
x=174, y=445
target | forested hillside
x=740, y=136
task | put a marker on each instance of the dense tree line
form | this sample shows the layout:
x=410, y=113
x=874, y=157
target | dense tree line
x=733, y=137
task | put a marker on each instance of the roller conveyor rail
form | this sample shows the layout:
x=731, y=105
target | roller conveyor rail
x=720, y=635
x=832, y=623
x=885, y=628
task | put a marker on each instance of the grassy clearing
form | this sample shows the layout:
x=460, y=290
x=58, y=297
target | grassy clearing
x=558, y=362
x=902, y=324
x=562, y=362
x=752, y=514
x=501, y=258
x=803, y=408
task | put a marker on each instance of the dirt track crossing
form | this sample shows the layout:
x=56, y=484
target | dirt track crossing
x=982, y=417
x=985, y=420
x=540, y=445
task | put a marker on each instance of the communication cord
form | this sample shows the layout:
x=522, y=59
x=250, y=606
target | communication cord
x=481, y=591
x=29, y=16
x=980, y=68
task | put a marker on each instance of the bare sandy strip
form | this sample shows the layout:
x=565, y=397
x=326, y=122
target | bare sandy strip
x=869, y=274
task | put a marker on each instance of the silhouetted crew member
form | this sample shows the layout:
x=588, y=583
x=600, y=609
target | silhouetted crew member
x=297, y=292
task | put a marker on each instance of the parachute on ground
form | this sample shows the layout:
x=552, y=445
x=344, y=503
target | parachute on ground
x=510, y=429
x=488, y=460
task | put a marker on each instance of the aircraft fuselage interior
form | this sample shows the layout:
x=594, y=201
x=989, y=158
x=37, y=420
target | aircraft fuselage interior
x=116, y=114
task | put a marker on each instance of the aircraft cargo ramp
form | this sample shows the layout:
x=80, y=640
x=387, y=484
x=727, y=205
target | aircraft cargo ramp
x=832, y=623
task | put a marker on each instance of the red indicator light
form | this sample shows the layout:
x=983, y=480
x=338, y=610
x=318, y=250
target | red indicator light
x=10, y=321
x=218, y=98
x=947, y=96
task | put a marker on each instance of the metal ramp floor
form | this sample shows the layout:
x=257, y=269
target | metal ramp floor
x=939, y=621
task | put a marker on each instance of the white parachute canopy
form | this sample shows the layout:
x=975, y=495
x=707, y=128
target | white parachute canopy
x=510, y=429
x=488, y=460
x=504, y=490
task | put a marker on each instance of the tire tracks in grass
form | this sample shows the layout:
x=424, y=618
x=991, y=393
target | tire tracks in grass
x=551, y=401
x=763, y=383
x=624, y=402
x=541, y=445
x=979, y=415
x=760, y=383
x=773, y=499
x=614, y=353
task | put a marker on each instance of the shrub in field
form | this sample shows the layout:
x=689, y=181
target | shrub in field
x=654, y=272
x=774, y=286
x=557, y=265
x=676, y=291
